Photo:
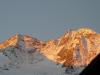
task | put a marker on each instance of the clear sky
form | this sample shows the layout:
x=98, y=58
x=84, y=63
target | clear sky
x=47, y=19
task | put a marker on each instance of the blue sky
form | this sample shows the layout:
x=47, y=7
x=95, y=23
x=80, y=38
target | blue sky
x=46, y=19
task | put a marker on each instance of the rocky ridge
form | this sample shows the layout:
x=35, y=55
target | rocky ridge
x=73, y=48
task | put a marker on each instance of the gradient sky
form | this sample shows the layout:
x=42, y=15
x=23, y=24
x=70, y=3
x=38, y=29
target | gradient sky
x=46, y=19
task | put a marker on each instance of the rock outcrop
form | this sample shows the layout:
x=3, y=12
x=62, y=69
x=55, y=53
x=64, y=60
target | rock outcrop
x=21, y=48
x=74, y=48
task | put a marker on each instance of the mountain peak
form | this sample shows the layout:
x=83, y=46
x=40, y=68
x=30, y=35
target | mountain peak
x=75, y=47
x=86, y=31
x=18, y=38
x=11, y=41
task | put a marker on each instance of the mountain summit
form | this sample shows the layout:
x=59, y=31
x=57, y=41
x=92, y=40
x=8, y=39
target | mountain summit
x=20, y=48
x=17, y=40
x=73, y=48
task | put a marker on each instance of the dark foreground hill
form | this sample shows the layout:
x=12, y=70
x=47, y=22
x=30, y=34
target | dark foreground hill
x=93, y=68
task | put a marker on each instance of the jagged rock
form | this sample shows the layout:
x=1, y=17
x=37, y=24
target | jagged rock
x=21, y=49
x=74, y=48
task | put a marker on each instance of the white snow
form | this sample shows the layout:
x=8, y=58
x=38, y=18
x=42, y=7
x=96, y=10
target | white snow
x=41, y=67
x=28, y=61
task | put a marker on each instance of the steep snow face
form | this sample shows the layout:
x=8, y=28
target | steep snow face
x=74, y=48
x=24, y=50
x=41, y=67
x=11, y=41
x=3, y=59
x=19, y=56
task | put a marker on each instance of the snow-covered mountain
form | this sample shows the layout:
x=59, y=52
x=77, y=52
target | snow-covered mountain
x=20, y=48
x=23, y=57
x=75, y=48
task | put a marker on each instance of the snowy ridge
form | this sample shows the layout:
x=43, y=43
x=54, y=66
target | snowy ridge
x=71, y=52
x=24, y=58
x=21, y=51
x=74, y=48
